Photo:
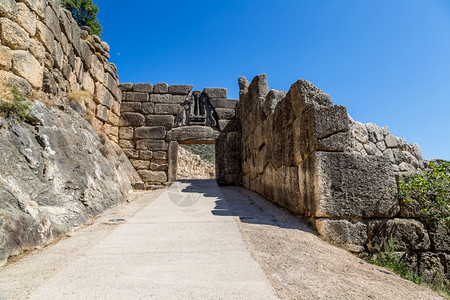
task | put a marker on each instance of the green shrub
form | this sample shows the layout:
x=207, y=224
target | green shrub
x=431, y=189
x=85, y=13
x=392, y=261
x=19, y=107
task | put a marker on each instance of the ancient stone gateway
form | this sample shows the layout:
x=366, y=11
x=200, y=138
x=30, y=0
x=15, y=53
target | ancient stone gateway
x=154, y=119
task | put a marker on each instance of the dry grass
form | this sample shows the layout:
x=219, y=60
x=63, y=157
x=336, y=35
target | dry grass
x=80, y=97
x=6, y=93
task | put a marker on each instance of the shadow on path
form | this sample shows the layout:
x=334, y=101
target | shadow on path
x=237, y=201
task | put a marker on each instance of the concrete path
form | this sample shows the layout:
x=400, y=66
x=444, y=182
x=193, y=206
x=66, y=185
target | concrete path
x=183, y=245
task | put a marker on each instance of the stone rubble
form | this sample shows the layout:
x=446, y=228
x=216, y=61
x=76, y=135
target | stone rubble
x=191, y=166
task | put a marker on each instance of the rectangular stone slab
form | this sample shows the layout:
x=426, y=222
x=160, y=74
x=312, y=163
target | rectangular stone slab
x=192, y=133
x=223, y=103
x=348, y=185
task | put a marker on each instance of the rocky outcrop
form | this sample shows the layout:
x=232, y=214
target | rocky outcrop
x=56, y=172
x=45, y=54
x=191, y=166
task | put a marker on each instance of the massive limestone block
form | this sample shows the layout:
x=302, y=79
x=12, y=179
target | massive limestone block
x=52, y=22
x=166, y=109
x=102, y=112
x=6, y=56
x=223, y=103
x=167, y=98
x=348, y=234
x=272, y=99
x=143, y=87
x=8, y=8
x=153, y=176
x=13, y=36
x=243, y=88
x=153, y=145
x=225, y=113
x=161, y=88
x=216, y=92
x=131, y=119
x=46, y=37
x=172, y=156
x=346, y=185
x=303, y=94
x=7, y=78
x=26, y=19
x=317, y=129
x=26, y=66
x=147, y=108
x=166, y=121
x=336, y=142
x=440, y=236
x=252, y=103
x=157, y=132
x=407, y=234
x=431, y=265
x=102, y=95
x=180, y=89
x=130, y=107
x=193, y=133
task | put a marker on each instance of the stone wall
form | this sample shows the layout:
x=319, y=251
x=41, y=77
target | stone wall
x=155, y=118
x=48, y=56
x=306, y=154
x=370, y=139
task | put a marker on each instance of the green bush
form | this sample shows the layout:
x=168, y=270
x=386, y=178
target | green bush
x=85, y=13
x=19, y=108
x=431, y=189
x=392, y=261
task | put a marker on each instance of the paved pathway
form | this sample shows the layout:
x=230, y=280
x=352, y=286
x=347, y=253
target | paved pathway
x=183, y=245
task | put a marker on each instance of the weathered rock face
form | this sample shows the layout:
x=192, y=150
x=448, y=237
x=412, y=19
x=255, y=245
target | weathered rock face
x=55, y=172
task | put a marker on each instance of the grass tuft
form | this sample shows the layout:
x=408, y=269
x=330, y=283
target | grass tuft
x=17, y=105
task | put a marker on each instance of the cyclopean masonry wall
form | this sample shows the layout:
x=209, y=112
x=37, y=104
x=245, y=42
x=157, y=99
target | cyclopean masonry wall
x=45, y=54
x=154, y=119
x=306, y=154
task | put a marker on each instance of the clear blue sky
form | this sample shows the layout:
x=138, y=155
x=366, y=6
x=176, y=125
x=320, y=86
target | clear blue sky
x=388, y=61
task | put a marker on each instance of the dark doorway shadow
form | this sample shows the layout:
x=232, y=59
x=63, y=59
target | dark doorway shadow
x=248, y=206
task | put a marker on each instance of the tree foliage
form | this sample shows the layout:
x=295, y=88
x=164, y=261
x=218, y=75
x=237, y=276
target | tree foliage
x=431, y=189
x=85, y=13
